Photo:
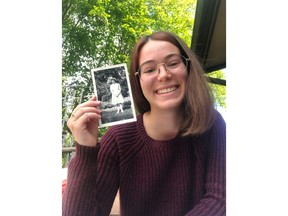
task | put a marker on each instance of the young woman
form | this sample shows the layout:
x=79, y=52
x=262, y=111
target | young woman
x=171, y=161
x=117, y=98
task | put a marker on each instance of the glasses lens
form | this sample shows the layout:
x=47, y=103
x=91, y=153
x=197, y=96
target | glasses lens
x=174, y=64
x=148, y=72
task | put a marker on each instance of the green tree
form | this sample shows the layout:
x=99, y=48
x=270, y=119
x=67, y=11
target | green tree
x=98, y=33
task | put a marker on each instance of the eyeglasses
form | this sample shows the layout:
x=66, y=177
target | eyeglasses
x=175, y=64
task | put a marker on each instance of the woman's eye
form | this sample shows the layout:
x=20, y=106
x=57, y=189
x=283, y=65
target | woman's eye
x=173, y=64
x=149, y=70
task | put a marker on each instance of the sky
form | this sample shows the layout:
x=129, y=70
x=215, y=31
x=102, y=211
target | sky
x=222, y=111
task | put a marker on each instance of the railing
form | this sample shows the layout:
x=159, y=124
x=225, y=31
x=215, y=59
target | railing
x=72, y=96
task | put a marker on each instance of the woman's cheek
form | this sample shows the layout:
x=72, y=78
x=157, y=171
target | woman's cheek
x=146, y=89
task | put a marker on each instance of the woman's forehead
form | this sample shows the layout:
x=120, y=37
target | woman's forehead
x=168, y=57
x=154, y=50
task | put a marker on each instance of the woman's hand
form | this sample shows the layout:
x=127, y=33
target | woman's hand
x=83, y=123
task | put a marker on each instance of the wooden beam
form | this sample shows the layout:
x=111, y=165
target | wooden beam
x=216, y=81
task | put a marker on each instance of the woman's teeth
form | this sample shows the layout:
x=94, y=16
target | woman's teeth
x=167, y=90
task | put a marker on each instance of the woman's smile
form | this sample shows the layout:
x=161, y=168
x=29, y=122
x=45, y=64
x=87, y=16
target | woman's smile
x=167, y=90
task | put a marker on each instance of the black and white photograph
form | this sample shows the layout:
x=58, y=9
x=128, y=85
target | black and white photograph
x=112, y=88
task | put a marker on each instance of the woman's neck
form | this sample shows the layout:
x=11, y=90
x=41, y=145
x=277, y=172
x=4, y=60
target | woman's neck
x=162, y=125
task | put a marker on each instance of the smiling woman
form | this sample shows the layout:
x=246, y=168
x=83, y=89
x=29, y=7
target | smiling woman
x=163, y=76
x=171, y=161
x=198, y=100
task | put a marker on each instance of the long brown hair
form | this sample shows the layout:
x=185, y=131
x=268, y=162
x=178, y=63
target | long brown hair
x=198, y=101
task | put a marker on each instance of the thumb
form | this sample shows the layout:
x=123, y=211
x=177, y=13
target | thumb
x=93, y=98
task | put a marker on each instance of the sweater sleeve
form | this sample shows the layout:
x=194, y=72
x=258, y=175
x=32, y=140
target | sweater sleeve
x=93, y=179
x=214, y=201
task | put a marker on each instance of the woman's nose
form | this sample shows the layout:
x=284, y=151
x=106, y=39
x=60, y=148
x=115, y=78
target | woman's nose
x=163, y=73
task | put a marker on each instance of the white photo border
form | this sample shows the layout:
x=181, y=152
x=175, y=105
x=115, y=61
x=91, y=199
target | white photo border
x=105, y=70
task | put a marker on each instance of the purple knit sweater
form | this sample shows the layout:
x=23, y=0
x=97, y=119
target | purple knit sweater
x=182, y=176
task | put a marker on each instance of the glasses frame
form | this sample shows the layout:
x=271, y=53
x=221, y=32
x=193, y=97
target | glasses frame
x=183, y=57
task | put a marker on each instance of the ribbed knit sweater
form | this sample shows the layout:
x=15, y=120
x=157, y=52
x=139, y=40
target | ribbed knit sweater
x=182, y=176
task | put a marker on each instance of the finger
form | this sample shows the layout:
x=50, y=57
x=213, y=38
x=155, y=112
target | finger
x=92, y=103
x=82, y=110
x=90, y=117
x=93, y=98
x=85, y=119
x=84, y=122
x=89, y=103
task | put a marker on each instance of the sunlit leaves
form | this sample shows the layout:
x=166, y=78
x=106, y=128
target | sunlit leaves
x=97, y=33
x=219, y=90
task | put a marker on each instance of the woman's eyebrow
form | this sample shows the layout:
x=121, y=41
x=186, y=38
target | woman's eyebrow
x=165, y=58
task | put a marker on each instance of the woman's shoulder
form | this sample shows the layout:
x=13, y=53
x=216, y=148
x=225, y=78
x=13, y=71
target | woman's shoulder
x=218, y=126
x=219, y=120
x=218, y=129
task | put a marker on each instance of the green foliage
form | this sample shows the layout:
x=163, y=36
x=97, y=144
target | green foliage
x=102, y=131
x=98, y=33
x=219, y=90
